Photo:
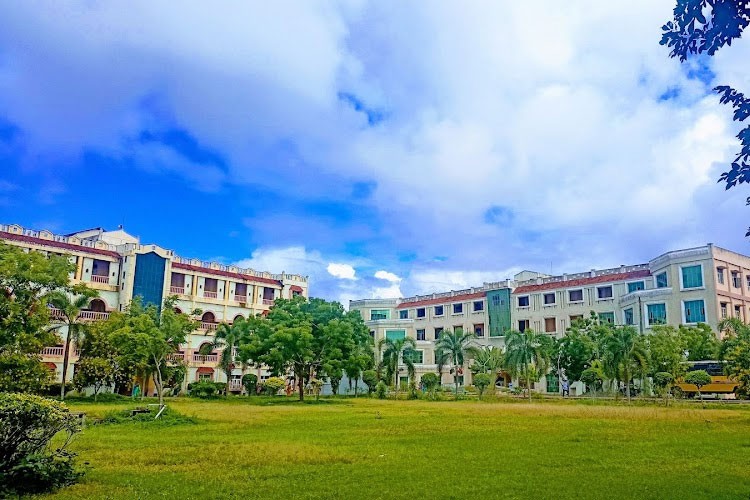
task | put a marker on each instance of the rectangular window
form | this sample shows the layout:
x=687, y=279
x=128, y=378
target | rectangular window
x=661, y=280
x=692, y=276
x=439, y=310
x=604, y=292
x=549, y=299
x=720, y=275
x=657, y=314
x=420, y=312
x=575, y=295
x=628, y=313
x=479, y=304
x=377, y=314
x=607, y=317
x=417, y=357
x=523, y=324
x=737, y=311
x=576, y=317
x=723, y=310
x=438, y=332
x=421, y=335
x=635, y=286
x=695, y=311
x=748, y=281
x=395, y=334
x=403, y=314
x=549, y=325
x=496, y=300
x=523, y=301
x=479, y=330
x=458, y=308
x=736, y=279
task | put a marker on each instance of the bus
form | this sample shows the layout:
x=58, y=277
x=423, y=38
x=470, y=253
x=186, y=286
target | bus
x=721, y=385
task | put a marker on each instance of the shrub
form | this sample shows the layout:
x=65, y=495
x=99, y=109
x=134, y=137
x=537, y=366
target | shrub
x=273, y=385
x=370, y=378
x=481, y=382
x=168, y=417
x=250, y=383
x=316, y=385
x=221, y=387
x=413, y=392
x=381, y=390
x=27, y=464
x=203, y=389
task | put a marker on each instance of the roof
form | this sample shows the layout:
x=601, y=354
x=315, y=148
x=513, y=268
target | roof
x=57, y=244
x=296, y=288
x=607, y=278
x=442, y=300
x=228, y=274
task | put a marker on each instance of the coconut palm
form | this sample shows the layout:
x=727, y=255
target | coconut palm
x=625, y=354
x=70, y=307
x=527, y=352
x=228, y=338
x=399, y=351
x=487, y=359
x=455, y=345
x=441, y=359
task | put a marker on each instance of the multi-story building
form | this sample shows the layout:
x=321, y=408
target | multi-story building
x=120, y=268
x=697, y=285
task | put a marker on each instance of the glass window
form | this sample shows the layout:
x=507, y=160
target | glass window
x=495, y=300
x=661, y=280
x=628, y=313
x=748, y=281
x=635, y=286
x=575, y=295
x=403, y=314
x=604, y=292
x=421, y=335
x=549, y=299
x=692, y=276
x=736, y=279
x=657, y=314
x=479, y=305
x=549, y=325
x=377, y=314
x=458, y=308
x=695, y=312
x=420, y=312
x=417, y=357
x=523, y=301
x=723, y=310
x=576, y=317
x=523, y=324
x=479, y=330
x=395, y=334
x=720, y=275
x=607, y=317
x=438, y=310
x=438, y=332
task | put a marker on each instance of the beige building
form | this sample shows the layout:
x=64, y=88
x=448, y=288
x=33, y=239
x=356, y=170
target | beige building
x=119, y=267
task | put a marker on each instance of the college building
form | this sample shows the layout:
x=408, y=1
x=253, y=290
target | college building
x=682, y=287
x=119, y=267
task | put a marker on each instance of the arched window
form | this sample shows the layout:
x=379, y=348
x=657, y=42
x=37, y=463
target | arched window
x=239, y=317
x=208, y=317
x=98, y=305
x=177, y=310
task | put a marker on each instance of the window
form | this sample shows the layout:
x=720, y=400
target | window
x=549, y=325
x=479, y=330
x=575, y=295
x=205, y=377
x=523, y=324
x=720, y=275
x=421, y=335
x=692, y=276
x=607, y=317
x=395, y=334
x=635, y=286
x=628, y=313
x=372, y=333
x=439, y=310
x=377, y=314
x=438, y=332
x=576, y=317
x=403, y=314
x=416, y=357
x=723, y=310
x=661, y=280
x=420, y=312
x=657, y=314
x=479, y=304
x=458, y=308
x=523, y=301
x=737, y=311
x=604, y=292
x=496, y=300
x=695, y=311
x=748, y=281
x=552, y=383
x=549, y=299
x=736, y=279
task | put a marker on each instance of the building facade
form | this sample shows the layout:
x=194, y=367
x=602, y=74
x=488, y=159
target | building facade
x=119, y=268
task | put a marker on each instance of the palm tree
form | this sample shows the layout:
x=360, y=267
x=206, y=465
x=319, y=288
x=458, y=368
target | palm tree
x=228, y=338
x=487, y=359
x=70, y=308
x=399, y=350
x=455, y=345
x=441, y=359
x=527, y=352
x=625, y=354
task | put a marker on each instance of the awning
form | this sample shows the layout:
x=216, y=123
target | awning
x=296, y=288
x=205, y=369
x=51, y=366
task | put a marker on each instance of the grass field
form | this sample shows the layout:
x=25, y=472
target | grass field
x=364, y=448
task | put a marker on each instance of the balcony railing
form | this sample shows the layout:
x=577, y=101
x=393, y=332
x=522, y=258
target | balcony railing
x=205, y=325
x=205, y=358
x=240, y=298
x=210, y=295
x=268, y=302
x=92, y=315
x=99, y=279
x=178, y=356
x=235, y=385
x=52, y=351
x=55, y=313
x=179, y=290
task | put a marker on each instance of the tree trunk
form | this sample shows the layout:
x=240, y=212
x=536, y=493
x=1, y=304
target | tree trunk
x=356, y=387
x=627, y=384
x=158, y=381
x=66, y=357
x=300, y=384
x=528, y=383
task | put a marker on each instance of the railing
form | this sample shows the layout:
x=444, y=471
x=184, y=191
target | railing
x=205, y=325
x=180, y=290
x=268, y=302
x=95, y=278
x=205, y=358
x=55, y=313
x=235, y=385
x=53, y=351
x=210, y=295
x=240, y=298
x=215, y=266
x=92, y=315
x=178, y=356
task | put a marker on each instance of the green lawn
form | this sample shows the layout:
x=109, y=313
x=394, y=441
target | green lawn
x=416, y=449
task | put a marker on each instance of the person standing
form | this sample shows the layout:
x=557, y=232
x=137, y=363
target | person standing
x=565, y=388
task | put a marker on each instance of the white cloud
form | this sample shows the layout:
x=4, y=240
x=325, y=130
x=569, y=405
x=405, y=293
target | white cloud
x=342, y=271
x=387, y=276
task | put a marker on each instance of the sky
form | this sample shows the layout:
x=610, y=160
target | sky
x=383, y=148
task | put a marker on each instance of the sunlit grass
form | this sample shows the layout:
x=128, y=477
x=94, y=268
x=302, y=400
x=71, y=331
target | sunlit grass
x=364, y=448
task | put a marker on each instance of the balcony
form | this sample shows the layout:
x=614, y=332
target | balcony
x=53, y=351
x=205, y=358
x=268, y=302
x=178, y=356
x=205, y=325
x=99, y=279
x=177, y=290
x=210, y=295
x=235, y=386
x=92, y=315
x=240, y=298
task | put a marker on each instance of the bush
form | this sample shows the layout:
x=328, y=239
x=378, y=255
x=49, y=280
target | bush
x=413, y=392
x=481, y=382
x=370, y=378
x=250, y=383
x=168, y=417
x=203, y=389
x=273, y=385
x=221, y=387
x=27, y=465
x=381, y=390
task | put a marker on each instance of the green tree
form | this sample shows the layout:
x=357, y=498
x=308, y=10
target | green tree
x=370, y=378
x=481, y=382
x=666, y=348
x=576, y=350
x=430, y=381
x=527, y=352
x=399, y=351
x=25, y=280
x=593, y=377
x=273, y=385
x=626, y=354
x=455, y=345
x=487, y=359
x=359, y=360
x=735, y=352
x=97, y=365
x=228, y=339
x=250, y=383
x=663, y=382
x=698, y=378
x=700, y=342
x=381, y=390
x=70, y=307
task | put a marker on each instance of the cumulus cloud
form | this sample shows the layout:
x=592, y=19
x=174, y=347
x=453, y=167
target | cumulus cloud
x=343, y=271
x=387, y=276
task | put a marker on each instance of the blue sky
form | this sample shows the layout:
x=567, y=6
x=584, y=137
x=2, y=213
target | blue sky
x=382, y=148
